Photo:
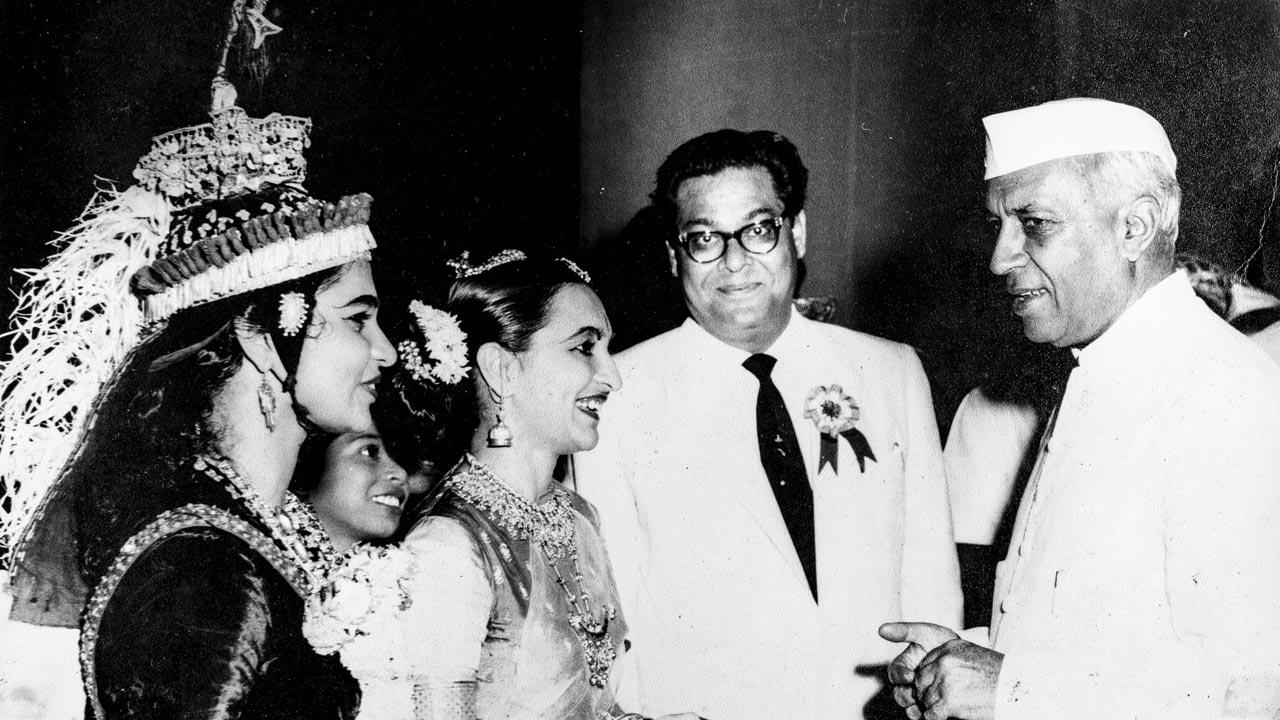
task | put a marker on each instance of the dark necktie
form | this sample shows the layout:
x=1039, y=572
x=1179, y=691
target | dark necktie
x=783, y=463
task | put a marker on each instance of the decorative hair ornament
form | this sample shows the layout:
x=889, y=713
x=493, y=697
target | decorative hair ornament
x=230, y=155
x=573, y=266
x=73, y=325
x=462, y=267
x=444, y=341
x=293, y=313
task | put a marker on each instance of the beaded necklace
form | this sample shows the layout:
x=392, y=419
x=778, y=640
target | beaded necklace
x=550, y=526
x=294, y=527
x=302, y=518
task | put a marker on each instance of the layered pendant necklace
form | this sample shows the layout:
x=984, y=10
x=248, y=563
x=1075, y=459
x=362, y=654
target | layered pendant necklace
x=550, y=526
x=294, y=527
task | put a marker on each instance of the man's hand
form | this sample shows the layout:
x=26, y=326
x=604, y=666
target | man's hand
x=922, y=639
x=957, y=680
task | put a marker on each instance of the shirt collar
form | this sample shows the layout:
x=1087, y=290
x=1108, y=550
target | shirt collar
x=702, y=344
x=1135, y=329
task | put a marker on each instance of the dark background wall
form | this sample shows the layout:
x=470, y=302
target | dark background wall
x=458, y=116
x=885, y=98
x=489, y=124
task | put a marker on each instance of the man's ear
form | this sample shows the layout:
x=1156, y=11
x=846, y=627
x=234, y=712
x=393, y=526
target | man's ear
x=798, y=233
x=497, y=367
x=674, y=261
x=259, y=349
x=1139, y=221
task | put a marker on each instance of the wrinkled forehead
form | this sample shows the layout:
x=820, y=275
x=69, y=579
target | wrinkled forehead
x=1052, y=183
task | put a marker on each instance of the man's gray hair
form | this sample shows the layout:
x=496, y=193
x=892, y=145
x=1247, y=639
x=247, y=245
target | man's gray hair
x=1134, y=174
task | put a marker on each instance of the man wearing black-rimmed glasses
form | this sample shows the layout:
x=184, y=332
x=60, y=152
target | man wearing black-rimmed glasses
x=766, y=484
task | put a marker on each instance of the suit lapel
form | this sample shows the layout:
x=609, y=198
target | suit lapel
x=716, y=382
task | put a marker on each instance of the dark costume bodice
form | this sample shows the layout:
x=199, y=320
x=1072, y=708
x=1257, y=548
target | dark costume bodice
x=200, y=616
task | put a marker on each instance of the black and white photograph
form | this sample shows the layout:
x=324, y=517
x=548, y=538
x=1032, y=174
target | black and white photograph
x=640, y=360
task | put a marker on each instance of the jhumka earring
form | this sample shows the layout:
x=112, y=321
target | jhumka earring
x=499, y=434
x=267, y=402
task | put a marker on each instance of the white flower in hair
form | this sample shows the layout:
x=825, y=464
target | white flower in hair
x=293, y=313
x=444, y=341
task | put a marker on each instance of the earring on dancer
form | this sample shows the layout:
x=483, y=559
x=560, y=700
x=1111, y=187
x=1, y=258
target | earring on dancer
x=267, y=402
x=499, y=434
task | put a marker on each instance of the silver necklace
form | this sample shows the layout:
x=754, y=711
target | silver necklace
x=293, y=527
x=550, y=526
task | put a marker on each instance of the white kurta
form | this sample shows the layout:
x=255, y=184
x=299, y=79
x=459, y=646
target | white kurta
x=984, y=455
x=722, y=619
x=1143, y=578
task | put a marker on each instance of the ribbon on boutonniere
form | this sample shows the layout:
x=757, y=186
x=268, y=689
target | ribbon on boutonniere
x=834, y=413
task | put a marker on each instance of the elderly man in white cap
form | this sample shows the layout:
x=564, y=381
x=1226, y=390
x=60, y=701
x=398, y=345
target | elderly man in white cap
x=1143, y=576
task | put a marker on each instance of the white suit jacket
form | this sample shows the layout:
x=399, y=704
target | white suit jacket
x=723, y=622
x=1143, y=577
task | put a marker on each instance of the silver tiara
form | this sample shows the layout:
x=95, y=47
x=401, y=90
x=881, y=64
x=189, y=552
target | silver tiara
x=462, y=268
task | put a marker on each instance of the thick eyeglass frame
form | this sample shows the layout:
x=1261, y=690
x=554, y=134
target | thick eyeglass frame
x=682, y=240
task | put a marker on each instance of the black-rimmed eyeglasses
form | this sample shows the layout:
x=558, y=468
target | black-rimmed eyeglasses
x=704, y=246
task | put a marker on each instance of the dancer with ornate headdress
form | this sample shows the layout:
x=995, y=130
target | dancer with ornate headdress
x=514, y=611
x=170, y=359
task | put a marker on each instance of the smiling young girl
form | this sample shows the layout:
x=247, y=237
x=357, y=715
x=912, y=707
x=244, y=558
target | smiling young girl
x=353, y=485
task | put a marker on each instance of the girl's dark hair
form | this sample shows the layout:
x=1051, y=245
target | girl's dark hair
x=152, y=417
x=312, y=460
x=507, y=305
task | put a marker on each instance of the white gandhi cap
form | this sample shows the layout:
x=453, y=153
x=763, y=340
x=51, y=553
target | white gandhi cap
x=1064, y=128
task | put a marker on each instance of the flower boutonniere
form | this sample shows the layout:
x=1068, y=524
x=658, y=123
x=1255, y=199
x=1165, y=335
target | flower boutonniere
x=834, y=413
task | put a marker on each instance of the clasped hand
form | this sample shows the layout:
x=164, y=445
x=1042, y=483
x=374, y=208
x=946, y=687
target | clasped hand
x=940, y=676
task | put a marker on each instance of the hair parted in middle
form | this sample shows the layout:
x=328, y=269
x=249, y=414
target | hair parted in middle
x=504, y=304
x=713, y=152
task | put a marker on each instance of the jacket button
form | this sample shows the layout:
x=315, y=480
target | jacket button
x=1008, y=605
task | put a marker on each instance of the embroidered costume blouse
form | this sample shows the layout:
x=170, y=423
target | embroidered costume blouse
x=487, y=609
x=200, y=616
